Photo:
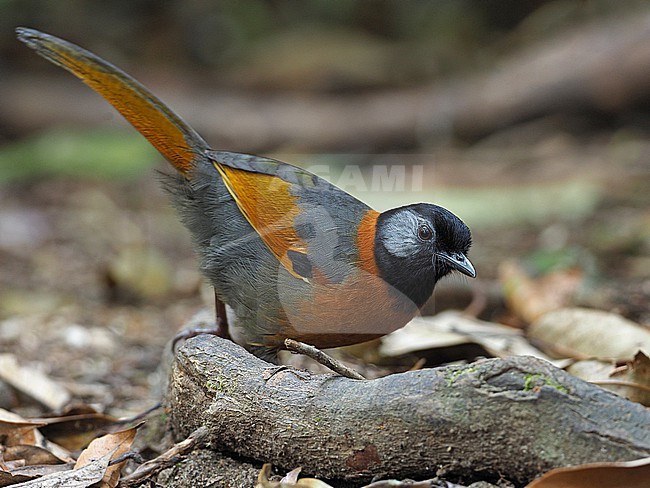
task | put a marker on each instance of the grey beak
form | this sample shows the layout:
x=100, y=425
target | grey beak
x=459, y=262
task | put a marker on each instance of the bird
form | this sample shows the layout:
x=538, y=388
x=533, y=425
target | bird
x=289, y=254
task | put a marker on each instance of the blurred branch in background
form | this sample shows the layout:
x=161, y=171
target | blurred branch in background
x=396, y=75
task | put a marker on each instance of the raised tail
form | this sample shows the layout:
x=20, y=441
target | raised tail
x=165, y=130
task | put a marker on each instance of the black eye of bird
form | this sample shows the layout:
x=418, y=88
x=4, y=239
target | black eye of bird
x=425, y=233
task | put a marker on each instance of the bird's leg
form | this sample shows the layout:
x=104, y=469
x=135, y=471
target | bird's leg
x=221, y=320
x=322, y=358
x=220, y=329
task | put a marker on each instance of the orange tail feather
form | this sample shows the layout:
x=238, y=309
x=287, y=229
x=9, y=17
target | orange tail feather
x=165, y=130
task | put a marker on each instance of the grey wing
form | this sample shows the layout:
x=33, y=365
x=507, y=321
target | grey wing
x=328, y=220
x=235, y=260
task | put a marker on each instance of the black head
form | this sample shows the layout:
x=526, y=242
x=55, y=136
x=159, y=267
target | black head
x=417, y=245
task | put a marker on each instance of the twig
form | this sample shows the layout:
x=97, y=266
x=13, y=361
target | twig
x=126, y=456
x=628, y=384
x=322, y=358
x=139, y=416
x=165, y=460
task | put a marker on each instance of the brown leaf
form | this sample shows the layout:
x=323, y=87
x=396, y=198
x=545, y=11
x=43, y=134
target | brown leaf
x=531, y=298
x=292, y=476
x=586, y=333
x=17, y=430
x=32, y=382
x=118, y=443
x=39, y=470
x=31, y=454
x=77, y=427
x=631, y=474
x=290, y=480
x=82, y=477
x=451, y=328
x=631, y=380
x=593, y=370
x=8, y=479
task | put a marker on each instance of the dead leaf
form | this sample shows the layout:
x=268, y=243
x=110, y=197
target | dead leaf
x=82, y=477
x=531, y=298
x=630, y=380
x=16, y=430
x=118, y=443
x=292, y=476
x=631, y=474
x=27, y=454
x=77, y=427
x=585, y=333
x=9, y=479
x=39, y=470
x=32, y=383
x=591, y=369
x=452, y=328
x=634, y=376
x=56, y=450
x=32, y=455
x=290, y=480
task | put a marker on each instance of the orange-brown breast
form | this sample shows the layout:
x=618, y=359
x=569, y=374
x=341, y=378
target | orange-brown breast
x=361, y=308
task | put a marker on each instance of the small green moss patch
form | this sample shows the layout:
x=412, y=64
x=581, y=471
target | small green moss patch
x=452, y=376
x=533, y=380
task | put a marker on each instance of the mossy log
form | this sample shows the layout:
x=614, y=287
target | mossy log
x=511, y=418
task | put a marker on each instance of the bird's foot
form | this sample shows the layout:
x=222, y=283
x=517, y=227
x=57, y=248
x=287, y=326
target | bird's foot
x=197, y=331
x=220, y=328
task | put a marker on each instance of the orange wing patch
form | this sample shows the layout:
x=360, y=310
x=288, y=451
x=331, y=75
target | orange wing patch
x=271, y=209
